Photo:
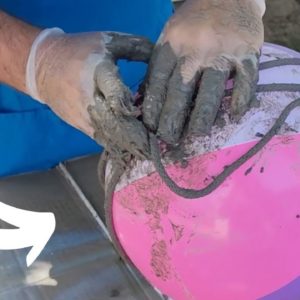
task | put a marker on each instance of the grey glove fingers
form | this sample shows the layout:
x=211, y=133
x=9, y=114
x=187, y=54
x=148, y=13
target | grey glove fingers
x=115, y=92
x=99, y=113
x=161, y=66
x=126, y=46
x=177, y=105
x=118, y=132
x=208, y=101
x=133, y=137
x=244, y=85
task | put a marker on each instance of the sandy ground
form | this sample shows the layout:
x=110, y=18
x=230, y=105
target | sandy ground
x=282, y=22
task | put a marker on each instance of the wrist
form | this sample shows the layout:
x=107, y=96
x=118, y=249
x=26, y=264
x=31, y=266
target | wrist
x=16, y=39
x=43, y=43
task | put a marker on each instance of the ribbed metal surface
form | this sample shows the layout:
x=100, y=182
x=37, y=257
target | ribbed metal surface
x=79, y=261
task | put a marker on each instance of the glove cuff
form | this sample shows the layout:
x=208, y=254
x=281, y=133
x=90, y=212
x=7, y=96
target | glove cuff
x=31, y=85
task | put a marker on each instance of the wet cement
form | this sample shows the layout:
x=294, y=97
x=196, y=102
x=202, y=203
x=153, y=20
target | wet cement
x=208, y=101
x=160, y=69
x=130, y=47
x=177, y=107
x=245, y=83
x=118, y=133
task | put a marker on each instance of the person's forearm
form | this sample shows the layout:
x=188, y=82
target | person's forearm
x=16, y=38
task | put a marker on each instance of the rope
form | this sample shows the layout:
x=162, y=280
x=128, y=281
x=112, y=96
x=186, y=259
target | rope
x=278, y=87
x=272, y=87
x=228, y=170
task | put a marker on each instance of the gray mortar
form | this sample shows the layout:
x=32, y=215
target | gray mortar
x=118, y=133
x=208, y=101
x=160, y=69
x=177, y=106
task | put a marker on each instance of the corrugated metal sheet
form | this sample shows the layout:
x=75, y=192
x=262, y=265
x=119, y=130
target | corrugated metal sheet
x=79, y=262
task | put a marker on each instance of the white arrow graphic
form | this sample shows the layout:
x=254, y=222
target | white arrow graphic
x=34, y=230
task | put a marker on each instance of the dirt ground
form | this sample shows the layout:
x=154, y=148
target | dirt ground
x=282, y=22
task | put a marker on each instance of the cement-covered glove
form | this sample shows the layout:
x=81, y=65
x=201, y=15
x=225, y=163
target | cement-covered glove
x=76, y=75
x=205, y=41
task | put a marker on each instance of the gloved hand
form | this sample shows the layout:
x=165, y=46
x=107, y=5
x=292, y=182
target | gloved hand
x=76, y=75
x=203, y=42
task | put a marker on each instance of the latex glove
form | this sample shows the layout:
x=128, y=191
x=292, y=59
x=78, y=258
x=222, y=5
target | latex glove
x=76, y=75
x=203, y=42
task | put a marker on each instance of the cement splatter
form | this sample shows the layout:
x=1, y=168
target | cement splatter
x=248, y=171
x=160, y=260
x=128, y=204
x=178, y=231
x=153, y=204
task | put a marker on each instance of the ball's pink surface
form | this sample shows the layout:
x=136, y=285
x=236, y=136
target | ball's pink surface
x=240, y=242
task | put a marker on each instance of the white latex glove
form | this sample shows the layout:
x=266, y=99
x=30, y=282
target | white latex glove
x=76, y=75
x=203, y=43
